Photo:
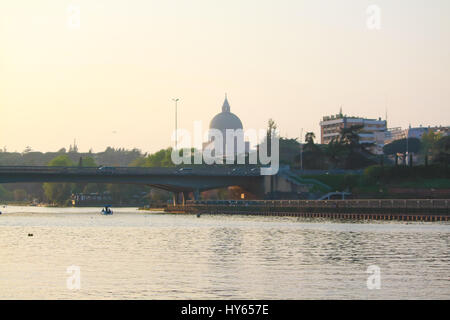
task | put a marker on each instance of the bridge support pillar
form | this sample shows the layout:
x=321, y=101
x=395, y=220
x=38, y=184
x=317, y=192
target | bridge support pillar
x=184, y=197
x=179, y=198
x=174, y=198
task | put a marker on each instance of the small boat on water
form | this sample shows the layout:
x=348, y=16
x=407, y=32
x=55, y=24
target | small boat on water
x=107, y=210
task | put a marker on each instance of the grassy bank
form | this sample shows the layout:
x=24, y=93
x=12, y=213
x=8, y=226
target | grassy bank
x=377, y=179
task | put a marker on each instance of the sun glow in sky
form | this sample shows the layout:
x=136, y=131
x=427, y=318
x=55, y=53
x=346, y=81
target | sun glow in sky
x=107, y=77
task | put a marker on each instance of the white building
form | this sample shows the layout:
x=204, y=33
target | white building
x=223, y=122
x=373, y=130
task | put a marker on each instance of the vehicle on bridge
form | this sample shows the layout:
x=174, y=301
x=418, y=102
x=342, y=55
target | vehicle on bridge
x=107, y=170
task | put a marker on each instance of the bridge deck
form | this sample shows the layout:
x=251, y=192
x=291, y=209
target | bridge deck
x=225, y=170
x=176, y=179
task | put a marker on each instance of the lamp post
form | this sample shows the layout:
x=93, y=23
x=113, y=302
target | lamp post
x=176, y=122
x=301, y=150
x=407, y=145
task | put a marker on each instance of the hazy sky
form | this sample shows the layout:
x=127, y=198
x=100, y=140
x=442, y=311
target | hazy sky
x=111, y=81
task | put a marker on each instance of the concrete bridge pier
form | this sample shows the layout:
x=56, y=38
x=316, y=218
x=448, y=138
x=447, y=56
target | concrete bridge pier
x=179, y=198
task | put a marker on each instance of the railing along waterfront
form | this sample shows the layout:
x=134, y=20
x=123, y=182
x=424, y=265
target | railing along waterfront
x=395, y=209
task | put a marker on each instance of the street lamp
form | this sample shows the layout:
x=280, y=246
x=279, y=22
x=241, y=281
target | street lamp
x=176, y=122
x=301, y=150
x=407, y=145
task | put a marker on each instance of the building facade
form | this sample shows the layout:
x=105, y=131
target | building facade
x=373, y=130
x=224, y=122
x=393, y=134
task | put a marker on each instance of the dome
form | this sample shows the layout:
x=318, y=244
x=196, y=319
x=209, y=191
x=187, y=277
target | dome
x=225, y=119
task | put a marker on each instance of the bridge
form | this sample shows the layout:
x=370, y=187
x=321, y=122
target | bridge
x=178, y=180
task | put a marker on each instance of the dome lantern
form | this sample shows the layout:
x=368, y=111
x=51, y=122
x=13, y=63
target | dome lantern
x=226, y=119
x=226, y=105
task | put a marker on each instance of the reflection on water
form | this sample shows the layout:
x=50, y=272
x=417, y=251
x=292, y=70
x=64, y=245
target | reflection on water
x=135, y=254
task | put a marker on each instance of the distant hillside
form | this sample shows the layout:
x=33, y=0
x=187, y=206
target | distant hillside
x=109, y=157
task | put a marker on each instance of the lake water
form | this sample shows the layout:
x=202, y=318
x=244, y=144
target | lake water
x=143, y=255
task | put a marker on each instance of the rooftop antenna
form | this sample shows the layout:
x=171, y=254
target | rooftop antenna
x=386, y=111
x=386, y=116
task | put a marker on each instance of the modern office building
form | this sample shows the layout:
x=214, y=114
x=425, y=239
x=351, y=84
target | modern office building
x=373, y=130
x=393, y=134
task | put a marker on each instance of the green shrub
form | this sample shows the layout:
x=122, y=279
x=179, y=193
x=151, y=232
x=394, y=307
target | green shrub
x=373, y=174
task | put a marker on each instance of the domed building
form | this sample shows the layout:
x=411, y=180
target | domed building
x=226, y=120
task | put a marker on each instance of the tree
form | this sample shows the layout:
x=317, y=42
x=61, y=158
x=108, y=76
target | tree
x=335, y=151
x=20, y=195
x=400, y=146
x=61, y=161
x=88, y=162
x=138, y=162
x=350, y=136
x=58, y=193
x=271, y=131
x=35, y=158
x=27, y=149
x=289, y=151
x=309, y=137
x=73, y=149
x=90, y=187
x=271, y=127
x=313, y=154
x=162, y=158
x=441, y=151
x=117, y=157
x=428, y=143
x=357, y=155
x=5, y=194
x=309, y=142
